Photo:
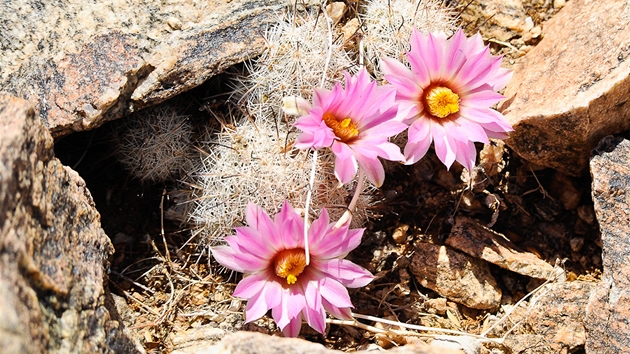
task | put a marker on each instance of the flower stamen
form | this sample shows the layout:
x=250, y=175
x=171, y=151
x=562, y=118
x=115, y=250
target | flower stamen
x=289, y=264
x=345, y=129
x=441, y=102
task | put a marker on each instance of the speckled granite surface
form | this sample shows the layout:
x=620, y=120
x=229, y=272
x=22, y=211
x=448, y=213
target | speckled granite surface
x=83, y=63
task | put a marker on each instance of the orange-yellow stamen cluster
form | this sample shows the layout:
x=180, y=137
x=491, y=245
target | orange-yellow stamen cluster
x=441, y=102
x=289, y=264
x=345, y=129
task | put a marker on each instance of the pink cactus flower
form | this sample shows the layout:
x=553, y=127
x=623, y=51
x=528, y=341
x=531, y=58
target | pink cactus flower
x=355, y=123
x=447, y=95
x=277, y=278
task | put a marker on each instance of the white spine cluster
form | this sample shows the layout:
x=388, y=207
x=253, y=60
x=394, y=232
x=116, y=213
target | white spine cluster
x=253, y=160
x=299, y=55
x=154, y=144
x=388, y=25
x=255, y=163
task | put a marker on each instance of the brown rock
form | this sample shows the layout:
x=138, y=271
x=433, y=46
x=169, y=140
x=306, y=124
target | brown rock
x=53, y=252
x=571, y=89
x=608, y=311
x=483, y=243
x=455, y=276
x=558, y=315
x=100, y=62
x=564, y=189
x=250, y=342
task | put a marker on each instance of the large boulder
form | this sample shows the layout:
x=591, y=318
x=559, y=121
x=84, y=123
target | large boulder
x=83, y=63
x=53, y=252
x=571, y=90
x=608, y=311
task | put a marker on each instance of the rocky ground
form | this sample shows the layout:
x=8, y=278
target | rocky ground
x=512, y=252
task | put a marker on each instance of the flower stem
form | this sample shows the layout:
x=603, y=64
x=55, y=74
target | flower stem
x=353, y=203
x=309, y=195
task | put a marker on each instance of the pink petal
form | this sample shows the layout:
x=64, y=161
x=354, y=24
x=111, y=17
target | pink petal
x=243, y=260
x=419, y=140
x=443, y=149
x=292, y=330
x=455, y=55
x=256, y=307
x=347, y=273
x=393, y=67
x=467, y=154
x=343, y=313
x=258, y=219
x=382, y=125
x=291, y=304
x=389, y=151
x=318, y=230
x=345, y=163
x=225, y=256
x=253, y=242
x=338, y=242
x=291, y=227
x=334, y=292
x=314, y=311
x=373, y=169
x=482, y=99
x=471, y=131
x=255, y=283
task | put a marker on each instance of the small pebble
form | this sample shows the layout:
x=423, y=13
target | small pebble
x=558, y=4
x=586, y=213
x=400, y=234
x=576, y=243
x=336, y=10
x=174, y=23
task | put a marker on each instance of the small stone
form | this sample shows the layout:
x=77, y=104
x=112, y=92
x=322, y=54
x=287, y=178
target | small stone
x=586, y=213
x=336, y=10
x=174, y=23
x=350, y=29
x=437, y=306
x=576, y=243
x=455, y=276
x=564, y=188
x=480, y=242
x=400, y=234
x=558, y=4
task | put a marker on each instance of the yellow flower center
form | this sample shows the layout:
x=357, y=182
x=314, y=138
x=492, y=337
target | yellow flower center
x=289, y=264
x=345, y=129
x=441, y=102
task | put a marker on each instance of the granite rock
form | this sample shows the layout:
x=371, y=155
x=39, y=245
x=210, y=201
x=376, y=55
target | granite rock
x=53, y=252
x=83, y=64
x=571, y=90
x=558, y=315
x=455, y=276
x=483, y=243
x=251, y=342
x=608, y=311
